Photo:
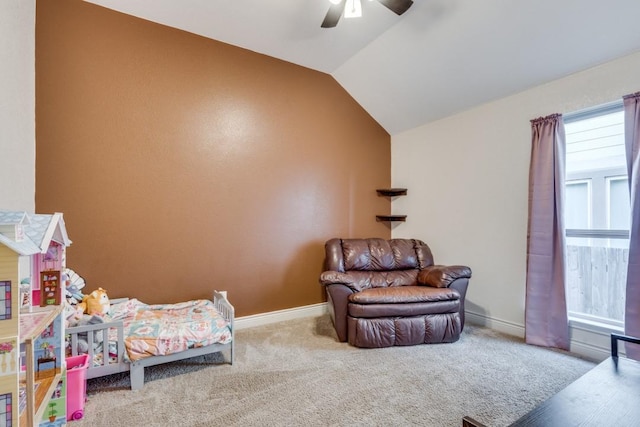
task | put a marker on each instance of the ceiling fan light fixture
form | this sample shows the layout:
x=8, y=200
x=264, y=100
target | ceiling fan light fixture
x=353, y=9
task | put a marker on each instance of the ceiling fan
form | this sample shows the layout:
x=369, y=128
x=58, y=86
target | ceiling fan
x=353, y=8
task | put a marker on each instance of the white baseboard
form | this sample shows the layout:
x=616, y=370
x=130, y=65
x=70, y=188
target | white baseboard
x=280, y=315
x=589, y=343
x=499, y=325
x=589, y=352
x=592, y=345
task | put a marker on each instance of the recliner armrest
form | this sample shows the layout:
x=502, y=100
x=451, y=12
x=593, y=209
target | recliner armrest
x=441, y=276
x=337, y=278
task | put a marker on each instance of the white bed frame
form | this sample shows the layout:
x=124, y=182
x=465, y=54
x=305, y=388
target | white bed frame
x=136, y=369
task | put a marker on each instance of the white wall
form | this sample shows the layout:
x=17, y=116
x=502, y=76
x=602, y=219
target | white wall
x=467, y=180
x=17, y=105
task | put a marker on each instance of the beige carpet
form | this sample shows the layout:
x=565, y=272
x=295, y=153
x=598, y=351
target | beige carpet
x=295, y=373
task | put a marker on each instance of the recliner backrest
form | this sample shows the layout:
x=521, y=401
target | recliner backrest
x=376, y=254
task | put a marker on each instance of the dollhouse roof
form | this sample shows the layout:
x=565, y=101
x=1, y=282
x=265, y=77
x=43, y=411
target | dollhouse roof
x=39, y=231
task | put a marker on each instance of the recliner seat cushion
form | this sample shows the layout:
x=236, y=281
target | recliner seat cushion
x=403, y=301
x=403, y=294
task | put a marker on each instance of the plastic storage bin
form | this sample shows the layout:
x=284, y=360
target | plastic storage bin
x=76, y=385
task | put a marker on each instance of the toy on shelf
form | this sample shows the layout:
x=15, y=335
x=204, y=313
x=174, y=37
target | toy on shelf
x=50, y=288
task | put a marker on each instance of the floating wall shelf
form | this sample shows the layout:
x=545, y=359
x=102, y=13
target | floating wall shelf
x=391, y=218
x=391, y=192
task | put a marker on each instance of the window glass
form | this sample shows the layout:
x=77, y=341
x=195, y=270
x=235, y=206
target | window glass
x=595, y=143
x=619, y=206
x=596, y=215
x=577, y=209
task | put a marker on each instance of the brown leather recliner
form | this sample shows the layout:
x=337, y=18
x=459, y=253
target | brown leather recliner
x=383, y=293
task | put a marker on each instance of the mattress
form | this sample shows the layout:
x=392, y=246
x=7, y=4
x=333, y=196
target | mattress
x=163, y=329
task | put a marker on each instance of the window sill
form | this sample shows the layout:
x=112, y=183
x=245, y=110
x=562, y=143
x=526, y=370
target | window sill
x=594, y=326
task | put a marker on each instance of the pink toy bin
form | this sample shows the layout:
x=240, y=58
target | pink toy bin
x=76, y=385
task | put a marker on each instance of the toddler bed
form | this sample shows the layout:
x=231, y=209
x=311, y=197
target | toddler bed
x=137, y=335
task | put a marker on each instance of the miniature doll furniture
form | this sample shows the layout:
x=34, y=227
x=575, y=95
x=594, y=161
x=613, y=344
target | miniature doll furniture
x=383, y=293
x=47, y=357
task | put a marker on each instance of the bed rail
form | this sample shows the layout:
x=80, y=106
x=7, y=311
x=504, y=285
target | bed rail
x=90, y=334
x=227, y=311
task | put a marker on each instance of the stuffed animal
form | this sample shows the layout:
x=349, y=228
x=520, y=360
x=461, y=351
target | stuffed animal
x=83, y=342
x=97, y=302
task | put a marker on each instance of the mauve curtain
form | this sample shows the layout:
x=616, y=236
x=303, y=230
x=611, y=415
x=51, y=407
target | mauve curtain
x=546, y=321
x=632, y=144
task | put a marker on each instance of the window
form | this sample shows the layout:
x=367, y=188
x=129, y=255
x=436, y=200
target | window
x=597, y=215
x=5, y=409
x=5, y=300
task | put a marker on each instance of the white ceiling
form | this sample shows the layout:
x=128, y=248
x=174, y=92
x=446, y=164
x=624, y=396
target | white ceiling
x=439, y=58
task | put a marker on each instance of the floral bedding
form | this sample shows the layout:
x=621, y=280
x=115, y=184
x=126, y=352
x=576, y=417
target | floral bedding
x=161, y=329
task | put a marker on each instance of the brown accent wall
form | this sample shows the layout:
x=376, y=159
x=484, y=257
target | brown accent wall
x=183, y=164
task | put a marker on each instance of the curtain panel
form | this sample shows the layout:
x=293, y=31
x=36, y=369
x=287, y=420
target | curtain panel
x=546, y=319
x=632, y=146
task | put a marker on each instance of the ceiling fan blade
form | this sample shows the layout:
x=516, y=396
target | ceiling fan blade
x=397, y=6
x=333, y=15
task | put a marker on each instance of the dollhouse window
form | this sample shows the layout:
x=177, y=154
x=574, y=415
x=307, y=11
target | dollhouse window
x=52, y=254
x=5, y=300
x=5, y=409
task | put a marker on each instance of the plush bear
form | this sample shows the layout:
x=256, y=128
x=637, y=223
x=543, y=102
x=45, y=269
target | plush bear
x=97, y=302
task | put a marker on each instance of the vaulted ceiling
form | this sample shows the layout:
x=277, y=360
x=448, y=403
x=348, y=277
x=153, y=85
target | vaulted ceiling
x=439, y=58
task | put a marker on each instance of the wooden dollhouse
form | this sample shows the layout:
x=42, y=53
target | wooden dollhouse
x=32, y=257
